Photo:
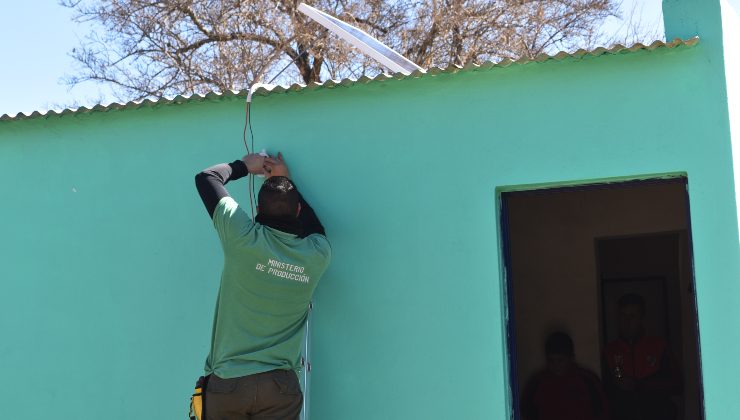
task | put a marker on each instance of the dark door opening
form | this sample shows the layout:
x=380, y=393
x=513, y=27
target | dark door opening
x=571, y=254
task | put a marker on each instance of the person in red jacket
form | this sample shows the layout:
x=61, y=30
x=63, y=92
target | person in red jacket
x=643, y=373
x=563, y=390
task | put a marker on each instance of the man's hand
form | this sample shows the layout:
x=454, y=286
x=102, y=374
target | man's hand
x=255, y=163
x=276, y=166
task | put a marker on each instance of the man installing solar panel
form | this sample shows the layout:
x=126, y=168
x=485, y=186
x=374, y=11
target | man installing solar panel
x=271, y=268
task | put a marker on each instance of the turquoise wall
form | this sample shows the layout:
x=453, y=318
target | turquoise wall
x=110, y=265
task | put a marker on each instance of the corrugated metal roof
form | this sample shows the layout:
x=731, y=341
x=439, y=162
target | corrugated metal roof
x=617, y=49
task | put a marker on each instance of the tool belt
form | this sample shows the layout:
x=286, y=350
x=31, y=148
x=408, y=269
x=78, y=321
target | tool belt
x=198, y=400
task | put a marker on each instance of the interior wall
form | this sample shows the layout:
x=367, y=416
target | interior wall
x=552, y=237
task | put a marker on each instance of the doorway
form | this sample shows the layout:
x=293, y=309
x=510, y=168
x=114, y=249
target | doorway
x=571, y=253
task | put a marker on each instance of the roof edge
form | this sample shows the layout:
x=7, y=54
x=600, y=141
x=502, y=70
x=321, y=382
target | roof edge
x=433, y=71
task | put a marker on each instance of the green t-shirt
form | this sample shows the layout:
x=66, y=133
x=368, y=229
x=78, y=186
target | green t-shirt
x=266, y=286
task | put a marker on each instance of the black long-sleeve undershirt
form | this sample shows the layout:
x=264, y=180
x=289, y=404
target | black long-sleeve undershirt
x=309, y=220
x=211, y=186
x=211, y=182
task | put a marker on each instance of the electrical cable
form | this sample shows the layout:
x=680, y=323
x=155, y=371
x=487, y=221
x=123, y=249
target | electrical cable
x=248, y=124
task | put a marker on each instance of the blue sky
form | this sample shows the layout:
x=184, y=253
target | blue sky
x=39, y=34
x=37, y=37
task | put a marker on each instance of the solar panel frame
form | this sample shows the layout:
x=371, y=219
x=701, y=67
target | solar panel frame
x=363, y=41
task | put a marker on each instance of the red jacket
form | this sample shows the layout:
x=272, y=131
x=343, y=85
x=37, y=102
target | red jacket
x=638, y=361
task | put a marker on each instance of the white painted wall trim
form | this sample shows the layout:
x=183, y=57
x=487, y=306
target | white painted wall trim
x=731, y=42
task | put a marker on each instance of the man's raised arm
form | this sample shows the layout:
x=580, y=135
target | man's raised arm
x=211, y=181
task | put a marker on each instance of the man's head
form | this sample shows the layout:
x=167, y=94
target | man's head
x=278, y=198
x=631, y=312
x=559, y=353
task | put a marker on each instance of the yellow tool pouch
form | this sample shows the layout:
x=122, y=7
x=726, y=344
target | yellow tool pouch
x=198, y=400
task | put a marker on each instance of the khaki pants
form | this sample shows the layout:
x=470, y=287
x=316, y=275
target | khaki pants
x=273, y=395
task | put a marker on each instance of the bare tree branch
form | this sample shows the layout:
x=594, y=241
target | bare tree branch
x=154, y=48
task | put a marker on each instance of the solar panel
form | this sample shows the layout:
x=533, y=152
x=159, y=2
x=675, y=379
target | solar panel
x=363, y=41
